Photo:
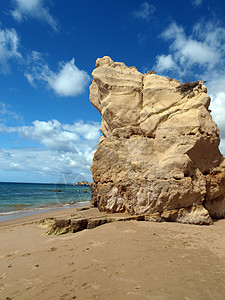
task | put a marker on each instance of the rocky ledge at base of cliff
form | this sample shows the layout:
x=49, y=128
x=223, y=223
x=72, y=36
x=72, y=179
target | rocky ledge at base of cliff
x=159, y=150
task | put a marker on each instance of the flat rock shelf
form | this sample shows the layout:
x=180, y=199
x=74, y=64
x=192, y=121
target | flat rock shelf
x=89, y=218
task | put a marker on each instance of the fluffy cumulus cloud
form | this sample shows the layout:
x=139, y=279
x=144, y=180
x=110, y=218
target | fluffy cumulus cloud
x=37, y=164
x=33, y=9
x=202, y=49
x=58, y=149
x=200, y=55
x=144, y=11
x=165, y=62
x=9, y=44
x=67, y=81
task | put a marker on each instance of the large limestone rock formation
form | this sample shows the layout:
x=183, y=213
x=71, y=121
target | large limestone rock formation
x=159, y=150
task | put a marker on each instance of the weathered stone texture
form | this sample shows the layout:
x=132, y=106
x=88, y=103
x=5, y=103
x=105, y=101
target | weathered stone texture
x=88, y=218
x=159, y=150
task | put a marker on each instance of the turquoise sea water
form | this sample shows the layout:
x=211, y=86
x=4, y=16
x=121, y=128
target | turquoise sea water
x=20, y=199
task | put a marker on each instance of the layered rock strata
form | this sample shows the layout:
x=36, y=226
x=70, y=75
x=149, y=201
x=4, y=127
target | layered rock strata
x=159, y=149
x=88, y=219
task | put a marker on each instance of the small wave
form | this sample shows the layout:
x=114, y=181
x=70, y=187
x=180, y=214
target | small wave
x=33, y=210
x=14, y=208
x=84, y=202
x=78, y=203
x=10, y=212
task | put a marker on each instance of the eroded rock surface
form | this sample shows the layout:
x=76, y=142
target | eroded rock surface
x=159, y=150
x=88, y=219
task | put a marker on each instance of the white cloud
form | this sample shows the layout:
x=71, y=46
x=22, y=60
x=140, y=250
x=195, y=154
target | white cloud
x=210, y=33
x=67, y=82
x=145, y=11
x=61, y=149
x=50, y=134
x=188, y=51
x=8, y=115
x=216, y=82
x=33, y=9
x=218, y=111
x=196, y=2
x=36, y=164
x=56, y=136
x=165, y=62
x=197, y=52
x=198, y=56
x=217, y=106
x=9, y=43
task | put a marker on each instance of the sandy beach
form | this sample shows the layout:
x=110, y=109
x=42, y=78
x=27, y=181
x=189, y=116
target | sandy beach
x=121, y=260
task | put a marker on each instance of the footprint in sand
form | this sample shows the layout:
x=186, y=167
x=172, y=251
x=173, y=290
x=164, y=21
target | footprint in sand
x=52, y=249
x=26, y=254
x=3, y=275
x=35, y=267
x=86, y=249
x=71, y=249
x=10, y=255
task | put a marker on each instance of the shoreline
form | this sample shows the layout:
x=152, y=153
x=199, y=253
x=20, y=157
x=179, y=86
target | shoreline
x=23, y=199
x=41, y=214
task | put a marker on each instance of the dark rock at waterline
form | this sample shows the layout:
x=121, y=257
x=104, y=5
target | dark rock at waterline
x=55, y=191
x=84, y=183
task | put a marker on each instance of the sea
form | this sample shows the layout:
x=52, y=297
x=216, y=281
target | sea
x=23, y=199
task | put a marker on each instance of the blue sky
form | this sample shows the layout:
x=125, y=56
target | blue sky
x=49, y=130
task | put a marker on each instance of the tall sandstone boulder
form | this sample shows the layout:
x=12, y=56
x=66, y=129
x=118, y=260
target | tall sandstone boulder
x=159, y=150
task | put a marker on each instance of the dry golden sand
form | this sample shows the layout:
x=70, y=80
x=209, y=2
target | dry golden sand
x=122, y=260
